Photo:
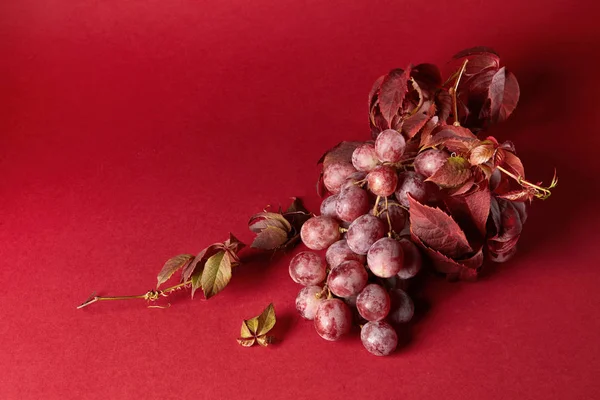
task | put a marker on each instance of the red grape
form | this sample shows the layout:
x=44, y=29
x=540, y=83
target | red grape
x=402, y=309
x=335, y=174
x=333, y=319
x=379, y=338
x=429, y=161
x=347, y=279
x=373, y=303
x=352, y=202
x=318, y=233
x=339, y=252
x=413, y=184
x=328, y=206
x=307, y=302
x=383, y=180
x=364, y=157
x=307, y=268
x=412, y=259
x=363, y=232
x=389, y=146
x=385, y=257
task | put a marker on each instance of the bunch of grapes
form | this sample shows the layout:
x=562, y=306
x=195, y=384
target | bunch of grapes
x=363, y=228
x=426, y=188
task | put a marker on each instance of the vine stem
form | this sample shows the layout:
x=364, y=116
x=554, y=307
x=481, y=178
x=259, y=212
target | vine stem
x=540, y=191
x=151, y=295
x=454, y=89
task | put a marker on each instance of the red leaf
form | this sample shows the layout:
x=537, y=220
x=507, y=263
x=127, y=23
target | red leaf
x=514, y=163
x=466, y=269
x=502, y=106
x=427, y=75
x=414, y=123
x=473, y=208
x=437, y=230
x=392, y=92
x=443, y=100
x=475, y=50
x=374, y=91
x=453, y=173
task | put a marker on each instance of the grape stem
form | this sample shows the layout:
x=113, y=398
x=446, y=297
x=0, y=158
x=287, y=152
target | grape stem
x=387, y=214
x=151, y=295
x=454, y=89
x=539, y=191
x=376, y=206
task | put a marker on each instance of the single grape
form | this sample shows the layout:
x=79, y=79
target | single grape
x=396, y=213
x=402, y=309
x=318, y=233
x=412, y=259
x=347, y=279
x=364, y=157
x=390, y=145
x=373, y=302
x=307, y=301
x=335, y=174
x=379, y=338
x=411, y=183
x=352, y=202
x=307, y=268
x=385, y=257
x=333, y=319
x=339, y=252
x=382, y=180
x=328, y=206
x=429, y=161
x=363, y=232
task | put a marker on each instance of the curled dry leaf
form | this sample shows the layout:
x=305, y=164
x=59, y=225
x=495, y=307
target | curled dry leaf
x=254, y=330
x=278, y=230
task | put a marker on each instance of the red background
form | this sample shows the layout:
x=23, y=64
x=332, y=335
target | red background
x=131, y=131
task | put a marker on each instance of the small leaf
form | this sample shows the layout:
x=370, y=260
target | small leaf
x=199, y=261
x=453, y=173
x=270, y=238
x=266, y=320
x=171, y=266
x=514, y=162
x=437, y=230
x=196, y=279
x=391, y=94
x=216, y=274
x=259, y=222
x=256, y=329
x=471, y=209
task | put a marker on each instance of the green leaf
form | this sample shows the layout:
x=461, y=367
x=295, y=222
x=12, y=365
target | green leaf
x=171, y=266
x=270, y=238
x=216, y=274
x=256, y=329
x=196, y=279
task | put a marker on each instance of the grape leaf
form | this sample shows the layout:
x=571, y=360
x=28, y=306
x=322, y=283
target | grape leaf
x=453, y=173
x=342, y=152
x=270, y=238
x=199, y=261
x=481, y=154
x=259, y=222
x=465, y=269
x=475, y=51
x=374, y=92
x=473, y=209
x=171, y=266
x=255, y=329
x=392, y=92
x=216, y=274
x=514, y=162
x=414, y=123
x=437, y=230
x=428, y=76
x=525, y=194
x=510, y=98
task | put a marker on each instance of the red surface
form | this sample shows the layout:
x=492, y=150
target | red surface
x=131, y=131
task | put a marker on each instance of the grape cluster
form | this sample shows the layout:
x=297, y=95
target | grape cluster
x=363, y=227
